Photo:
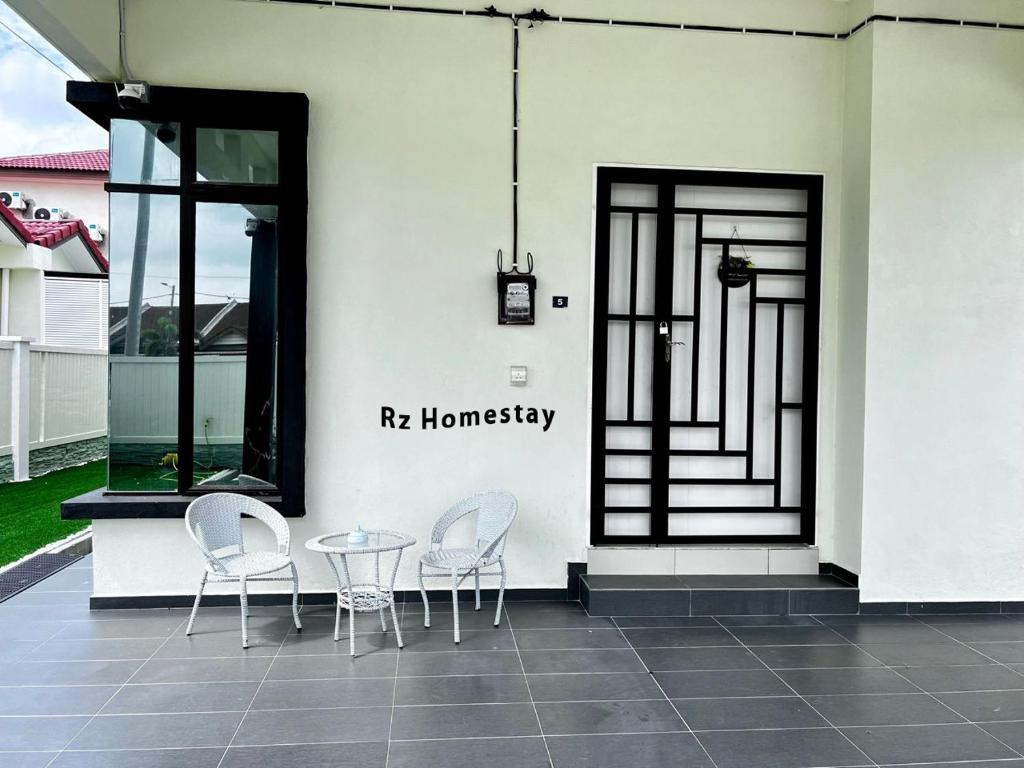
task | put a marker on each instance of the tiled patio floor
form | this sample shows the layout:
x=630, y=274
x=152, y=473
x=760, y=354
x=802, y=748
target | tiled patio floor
x=552, y=686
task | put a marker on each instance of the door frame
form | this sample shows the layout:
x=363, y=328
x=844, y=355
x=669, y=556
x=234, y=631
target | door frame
x=605, y=175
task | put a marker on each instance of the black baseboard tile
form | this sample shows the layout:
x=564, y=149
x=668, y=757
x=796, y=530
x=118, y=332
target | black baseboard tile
x=831, y=569
x=573, y=571
x=883, y=609
x=740, y=602
x=307, y=599
x=958, y=607
x=633, y=602
x=824, y=601
x=1012, y=607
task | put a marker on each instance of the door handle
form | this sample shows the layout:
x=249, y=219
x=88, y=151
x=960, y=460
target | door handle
x=663, y=330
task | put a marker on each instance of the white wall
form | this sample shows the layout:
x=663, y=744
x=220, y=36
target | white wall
x=852, y=301
x=410, y=194
x=944, y=426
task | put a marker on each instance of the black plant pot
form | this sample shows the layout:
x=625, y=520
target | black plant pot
x=735, y=273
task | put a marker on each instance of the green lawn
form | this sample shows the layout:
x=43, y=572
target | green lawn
x=30, y=511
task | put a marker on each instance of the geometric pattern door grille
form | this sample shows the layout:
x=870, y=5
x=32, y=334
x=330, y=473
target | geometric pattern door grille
x=706, y=296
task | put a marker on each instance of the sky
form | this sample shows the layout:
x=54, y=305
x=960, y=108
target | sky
x=34, y=117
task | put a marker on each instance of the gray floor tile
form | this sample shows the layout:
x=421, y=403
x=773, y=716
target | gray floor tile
x=38, y=733
x=753, y=682
x=16, y=650
x=375, y=643
x=989, y=706
x=158, y=731
x=949, y=679
x=548, y=616
x=813, y=656
x=32, y=598
x=336, y=666
x=141, y=758
x=311, y=694
x=218, y=645
x=321, y=622
x=781, y=749
x=181, y=697
x=593, y=687
x=686, y=637
x=808, y=682
x=150, y=626
x=1011, y=734
x=980, y=632
x=28, y=631
x=666, y=622
x=923, y=654
x=1007, y=652
x=464, y=721
x=559, y=639
x=441, y=618
x=769, y=621
x=647, y=750
x=469, y=753
x=462, y=689
x=55, y=700
x=883, y=709
x=203, y=670
x=927, y=743
x=26, y=759
x=608, y=717
x=746, y=714
x=440, y=640
x=856, y=620
x=67, y=672
x=609, y=660
x=900, y=632
x=969, y=764
x=95, y=650
x=314, y=726
x=372, y=754
x=788, y=636
x=459, y=663
x=668, y=659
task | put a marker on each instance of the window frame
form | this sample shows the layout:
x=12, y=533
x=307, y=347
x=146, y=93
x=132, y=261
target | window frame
x=287, y=114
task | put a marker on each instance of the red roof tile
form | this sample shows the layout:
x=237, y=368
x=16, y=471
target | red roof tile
x=53, y=232
x=93, y=160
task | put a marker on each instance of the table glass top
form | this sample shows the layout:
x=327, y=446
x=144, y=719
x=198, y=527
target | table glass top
x=376, y=540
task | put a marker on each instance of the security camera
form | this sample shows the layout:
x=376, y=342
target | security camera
x=132, y=93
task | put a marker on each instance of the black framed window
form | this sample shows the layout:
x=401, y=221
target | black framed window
x=207, y=305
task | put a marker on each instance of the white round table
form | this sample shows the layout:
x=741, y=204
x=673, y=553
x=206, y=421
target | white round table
x=367, y=597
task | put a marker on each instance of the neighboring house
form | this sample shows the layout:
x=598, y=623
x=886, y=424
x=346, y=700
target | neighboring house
x=53, y=311
x=71, y=182
x=53, y=261
x=221, y=329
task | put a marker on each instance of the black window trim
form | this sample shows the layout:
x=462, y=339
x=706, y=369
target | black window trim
x=193, y=108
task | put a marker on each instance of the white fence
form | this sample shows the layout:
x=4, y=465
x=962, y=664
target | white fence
x=49, y=395
x=144, y=408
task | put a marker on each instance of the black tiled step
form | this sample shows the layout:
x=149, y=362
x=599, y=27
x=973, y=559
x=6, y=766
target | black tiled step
x=627, y=595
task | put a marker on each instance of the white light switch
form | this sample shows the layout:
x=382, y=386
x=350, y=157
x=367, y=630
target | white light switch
x=517, y=376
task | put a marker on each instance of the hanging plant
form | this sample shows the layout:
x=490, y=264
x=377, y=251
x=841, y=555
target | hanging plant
x=734, y=271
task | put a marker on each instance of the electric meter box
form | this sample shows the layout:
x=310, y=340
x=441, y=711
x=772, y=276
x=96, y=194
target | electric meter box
x=516, y=298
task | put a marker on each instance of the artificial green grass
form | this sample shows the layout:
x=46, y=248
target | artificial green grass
x=30, y=511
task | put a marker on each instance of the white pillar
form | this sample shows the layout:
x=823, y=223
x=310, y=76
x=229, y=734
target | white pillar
x=21, y=403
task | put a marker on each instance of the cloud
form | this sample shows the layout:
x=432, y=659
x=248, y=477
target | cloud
x=34, y=116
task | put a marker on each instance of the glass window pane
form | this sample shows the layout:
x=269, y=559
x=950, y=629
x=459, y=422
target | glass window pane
x=144, y=153
x=234, y=415
x=143, y=424
x=238, y=157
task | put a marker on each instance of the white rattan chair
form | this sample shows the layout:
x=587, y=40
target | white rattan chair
x=214, y=522
x=495, y=512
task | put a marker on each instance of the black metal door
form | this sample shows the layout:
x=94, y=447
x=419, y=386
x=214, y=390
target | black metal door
x=706, y=295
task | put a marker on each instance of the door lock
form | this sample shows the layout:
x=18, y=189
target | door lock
x=663, y=330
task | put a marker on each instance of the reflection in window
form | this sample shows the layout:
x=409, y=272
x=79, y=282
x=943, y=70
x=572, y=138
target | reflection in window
x=143, y=428
x=235, y=346
x=239, y=157
x=144, y=153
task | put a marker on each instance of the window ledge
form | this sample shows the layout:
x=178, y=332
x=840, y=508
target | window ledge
x=101, y=505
